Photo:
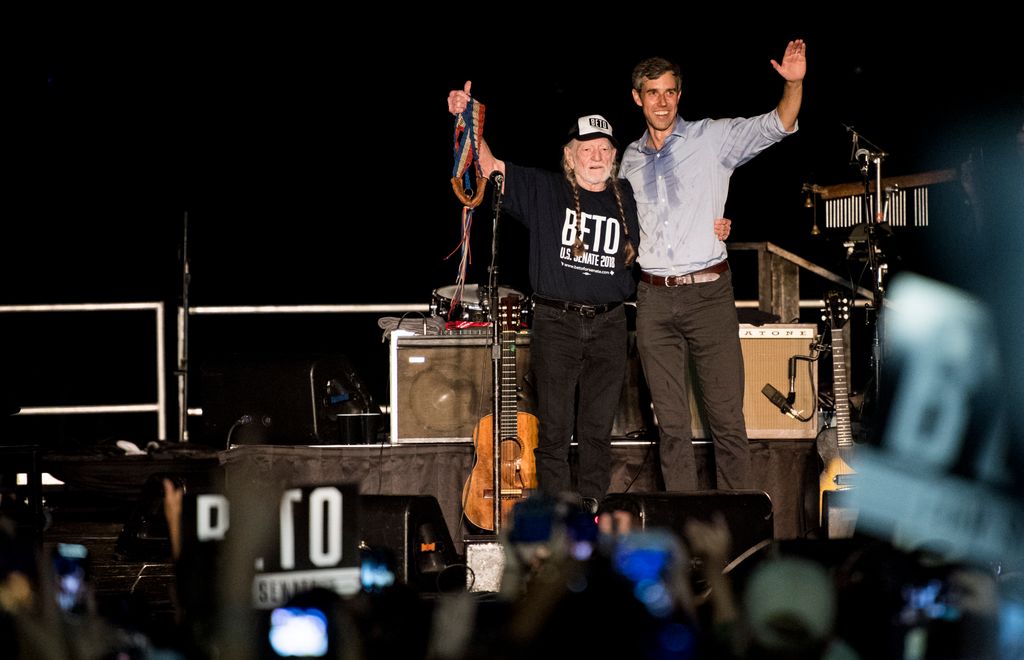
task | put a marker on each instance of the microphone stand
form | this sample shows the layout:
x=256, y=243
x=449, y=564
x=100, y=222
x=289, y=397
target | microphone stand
x=866, y=157
x=497, y=180
x=785, y=403
x=182, y=371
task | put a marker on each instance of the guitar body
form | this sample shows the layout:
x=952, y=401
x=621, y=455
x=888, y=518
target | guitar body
x=834, y=466
x=513, y=457
x=518, y=470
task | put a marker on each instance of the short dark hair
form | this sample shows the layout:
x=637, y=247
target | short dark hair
x=655, y=67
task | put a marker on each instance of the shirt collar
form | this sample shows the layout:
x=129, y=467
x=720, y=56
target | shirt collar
x=679, y=130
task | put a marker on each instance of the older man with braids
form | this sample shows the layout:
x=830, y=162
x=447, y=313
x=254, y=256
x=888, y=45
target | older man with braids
x=583, y=241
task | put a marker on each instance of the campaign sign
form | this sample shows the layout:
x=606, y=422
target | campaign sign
x=317, y=542
x=318, y=545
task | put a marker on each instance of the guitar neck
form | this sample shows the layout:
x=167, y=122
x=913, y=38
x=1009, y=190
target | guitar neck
x=509, y=418
x=840, y=391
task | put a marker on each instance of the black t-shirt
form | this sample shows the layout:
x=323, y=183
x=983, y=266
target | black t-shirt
x=543, y=201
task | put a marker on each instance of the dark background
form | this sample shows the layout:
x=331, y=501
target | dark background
x=316, y=170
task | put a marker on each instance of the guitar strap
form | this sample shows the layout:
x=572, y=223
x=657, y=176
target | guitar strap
x=469, y=130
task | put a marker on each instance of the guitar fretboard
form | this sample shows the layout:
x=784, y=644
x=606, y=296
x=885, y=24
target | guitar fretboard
x=509, y=418
x=844, y=431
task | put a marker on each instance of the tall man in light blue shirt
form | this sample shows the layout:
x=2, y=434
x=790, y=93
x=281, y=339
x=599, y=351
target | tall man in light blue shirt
x=686, y=310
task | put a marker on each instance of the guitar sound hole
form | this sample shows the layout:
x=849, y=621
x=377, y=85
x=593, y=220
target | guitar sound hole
x=511, y=450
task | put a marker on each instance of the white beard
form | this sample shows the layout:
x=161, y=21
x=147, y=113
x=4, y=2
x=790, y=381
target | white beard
x=594, y=177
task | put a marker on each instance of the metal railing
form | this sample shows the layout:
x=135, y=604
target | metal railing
x=778, y=281
x=186, y=412
x=159, y=406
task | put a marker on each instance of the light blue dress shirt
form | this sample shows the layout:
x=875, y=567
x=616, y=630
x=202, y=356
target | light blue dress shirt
x=681, y=189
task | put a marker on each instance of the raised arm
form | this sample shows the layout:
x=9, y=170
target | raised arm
x=792, y=70
x=458, y=99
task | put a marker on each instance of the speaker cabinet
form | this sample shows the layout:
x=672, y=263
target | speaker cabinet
x=767, y=350
x=308, y=400
x=748, y=513
x=442, y=385
x=413, y=528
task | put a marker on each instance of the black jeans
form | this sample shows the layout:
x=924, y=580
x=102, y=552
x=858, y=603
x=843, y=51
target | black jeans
x=697, y=322
x=570, y=351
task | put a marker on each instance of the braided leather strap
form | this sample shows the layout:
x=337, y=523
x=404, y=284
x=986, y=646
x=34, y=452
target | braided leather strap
x=469, y=130
x=463, y=193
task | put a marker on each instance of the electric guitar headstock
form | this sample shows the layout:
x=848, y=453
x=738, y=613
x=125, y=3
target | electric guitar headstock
x=836, y=311
x=509, y=313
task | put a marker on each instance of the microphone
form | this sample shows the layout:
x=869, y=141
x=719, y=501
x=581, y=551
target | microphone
x=863, y=157
x=498, y=181
x=777, y=399
x=791, y=397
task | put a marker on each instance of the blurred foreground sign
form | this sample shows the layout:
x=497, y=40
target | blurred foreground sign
x=940, y=476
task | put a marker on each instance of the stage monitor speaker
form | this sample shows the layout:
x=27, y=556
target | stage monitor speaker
x=766, y=353
x=748, y=513
x=308, y=400
x=145, y=536
x=442, y=385
x=413, y=528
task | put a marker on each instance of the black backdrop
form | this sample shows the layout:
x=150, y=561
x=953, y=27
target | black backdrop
x=315, y=170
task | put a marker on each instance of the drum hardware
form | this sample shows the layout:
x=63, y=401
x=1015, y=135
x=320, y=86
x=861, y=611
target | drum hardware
x=473, y=307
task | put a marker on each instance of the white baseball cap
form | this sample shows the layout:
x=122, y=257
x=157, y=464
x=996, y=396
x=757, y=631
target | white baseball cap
x=592, y=127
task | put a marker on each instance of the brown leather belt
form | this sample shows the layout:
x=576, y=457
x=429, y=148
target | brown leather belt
x=709, y=274
x=589, y=311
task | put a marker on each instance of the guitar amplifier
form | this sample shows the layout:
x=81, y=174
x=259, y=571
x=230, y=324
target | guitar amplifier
x=442, y=385
x=767, y=350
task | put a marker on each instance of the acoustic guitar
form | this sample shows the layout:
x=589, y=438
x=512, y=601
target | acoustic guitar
x=835, y=446
x=515, y=460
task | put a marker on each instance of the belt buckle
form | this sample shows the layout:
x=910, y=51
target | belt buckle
x=678, y=280
x=588, y=311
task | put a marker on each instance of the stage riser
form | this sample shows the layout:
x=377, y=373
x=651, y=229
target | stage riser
x=786, y=470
